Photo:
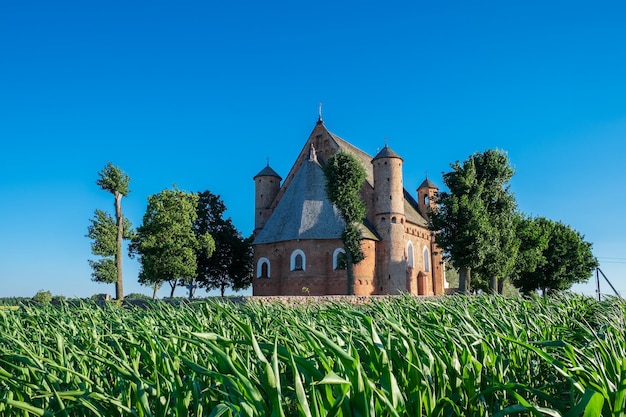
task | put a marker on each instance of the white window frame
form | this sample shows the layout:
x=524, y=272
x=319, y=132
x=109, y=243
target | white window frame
x=259, y=267
x=293, y=260
x=336, y=256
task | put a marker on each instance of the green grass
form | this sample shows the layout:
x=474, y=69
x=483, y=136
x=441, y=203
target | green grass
x=449, y=356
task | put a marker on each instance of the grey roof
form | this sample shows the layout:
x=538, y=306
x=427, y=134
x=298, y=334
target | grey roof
x=387, y=152
x=411, y=211
x=268, y=172
x=427, y=183
x=304, y=211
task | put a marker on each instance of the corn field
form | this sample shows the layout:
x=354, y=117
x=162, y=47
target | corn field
x=405, y=356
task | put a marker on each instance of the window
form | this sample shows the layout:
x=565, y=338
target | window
x=339, y=259
x=410, y=259
x=426, y=259
x=263, y=268
x=298, y=260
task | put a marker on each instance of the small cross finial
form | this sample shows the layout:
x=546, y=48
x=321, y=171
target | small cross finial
x=268, y=161
x=426, y=172
x=319, y=110
x=386, y=142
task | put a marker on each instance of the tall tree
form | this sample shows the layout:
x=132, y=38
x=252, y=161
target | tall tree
x=103, y=232
x=115, y=181
x=166, y=242
x=344, y=179
x=475, y=220
x=561, y=258
x=230, y=265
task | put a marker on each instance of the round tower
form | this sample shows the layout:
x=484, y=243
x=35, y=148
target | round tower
x=267, y=185
x=389, y=219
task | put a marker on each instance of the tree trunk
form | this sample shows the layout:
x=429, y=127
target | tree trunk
x=222, y=289
x=173, y=285
x=465, y=276
x=500, y=286
x=493, y=285
x=192, y=288
x=350, y=273
x=155, y=288
x=119, y=285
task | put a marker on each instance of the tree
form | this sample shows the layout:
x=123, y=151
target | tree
x=534, y=236
x=103, y=232
x=43, y=297
x=230, y=265
x=166, y=242
x=560, y=257
x=115, y=181
x=344, y=179
x=475, y=222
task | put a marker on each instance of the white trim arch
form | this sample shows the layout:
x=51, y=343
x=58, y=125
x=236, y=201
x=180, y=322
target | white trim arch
x=410, y=255
x=336, y=257
x=259, y=268
x=426, y=259
x=293, y=261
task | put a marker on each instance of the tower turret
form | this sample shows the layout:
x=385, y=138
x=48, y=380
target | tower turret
x=267, y=185
x=389, y=219
x=426, y=193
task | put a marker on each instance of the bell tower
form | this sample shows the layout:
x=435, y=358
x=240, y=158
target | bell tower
x=426, y=193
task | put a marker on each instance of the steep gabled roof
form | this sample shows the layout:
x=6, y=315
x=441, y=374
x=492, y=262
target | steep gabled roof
x=302, y=209
x=364, y=158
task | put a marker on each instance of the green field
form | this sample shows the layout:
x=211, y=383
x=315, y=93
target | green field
x=449, y=356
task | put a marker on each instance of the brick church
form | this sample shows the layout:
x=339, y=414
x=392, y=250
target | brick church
x=297, y=242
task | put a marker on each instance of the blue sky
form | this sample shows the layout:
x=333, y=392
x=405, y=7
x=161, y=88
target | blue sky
x=199, y=94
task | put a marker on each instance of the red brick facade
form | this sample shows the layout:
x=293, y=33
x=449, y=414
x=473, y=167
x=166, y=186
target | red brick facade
x=400, y=255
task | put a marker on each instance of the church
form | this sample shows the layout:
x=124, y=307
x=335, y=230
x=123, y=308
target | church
x=297, y=230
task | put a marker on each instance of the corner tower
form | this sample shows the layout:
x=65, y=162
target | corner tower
x=267, y=185
x=389, y=219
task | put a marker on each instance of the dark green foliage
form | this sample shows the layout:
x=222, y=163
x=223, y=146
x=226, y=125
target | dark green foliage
x=166, y=242
x=230, y=265
x=344, y=180
x=555, y=257
x=475, y=221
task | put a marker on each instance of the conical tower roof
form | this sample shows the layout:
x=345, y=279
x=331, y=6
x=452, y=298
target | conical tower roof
x=386, y=152
x=427, y=184
x=268, y=172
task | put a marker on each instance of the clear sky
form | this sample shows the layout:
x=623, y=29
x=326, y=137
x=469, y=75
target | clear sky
x=200, y=93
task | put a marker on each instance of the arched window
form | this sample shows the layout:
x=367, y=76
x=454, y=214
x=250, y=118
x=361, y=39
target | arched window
x=410, y=257
x=426, y=259
x=263, y=268
x=298, y=260
x=339, y=259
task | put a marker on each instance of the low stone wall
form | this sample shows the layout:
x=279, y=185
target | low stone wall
x=304, y=299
